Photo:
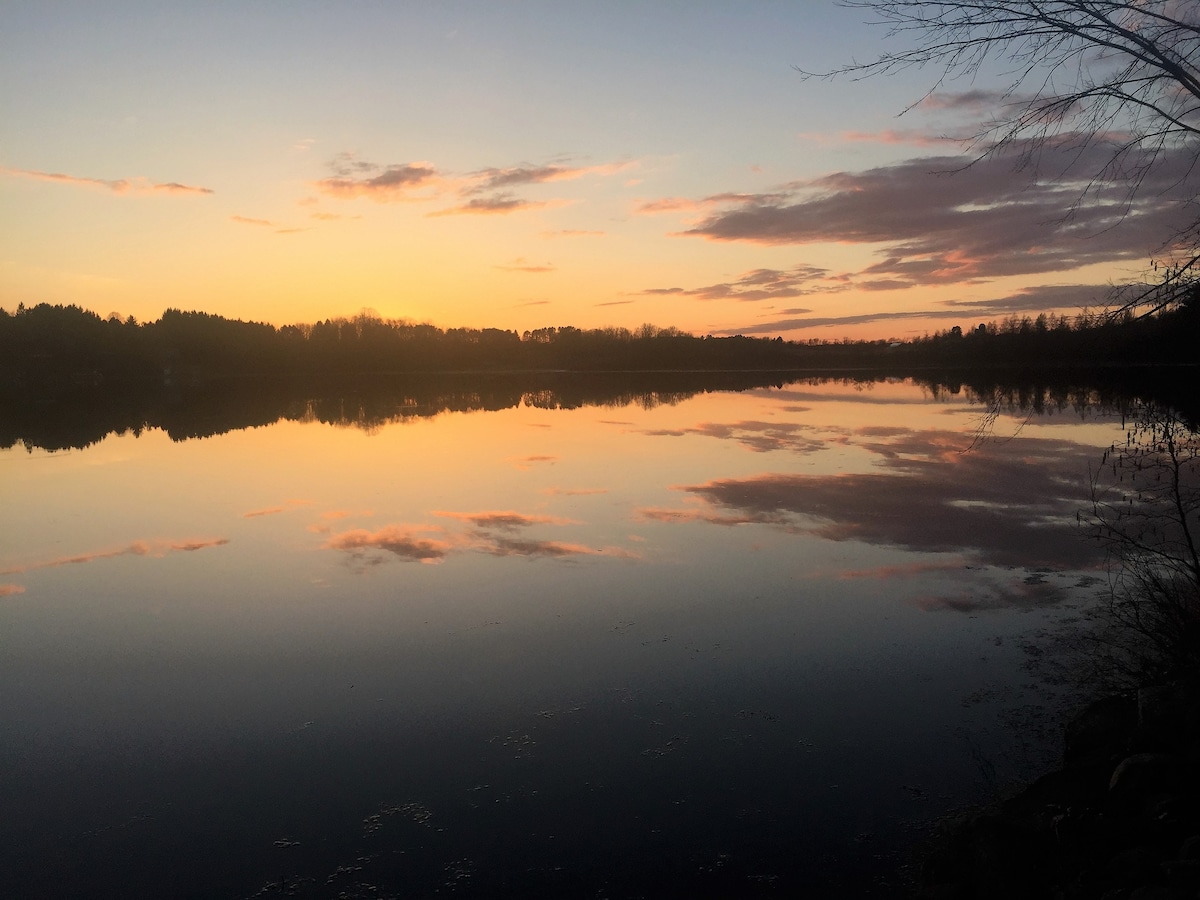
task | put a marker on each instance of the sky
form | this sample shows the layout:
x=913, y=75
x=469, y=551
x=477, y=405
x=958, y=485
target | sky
x=528, y=164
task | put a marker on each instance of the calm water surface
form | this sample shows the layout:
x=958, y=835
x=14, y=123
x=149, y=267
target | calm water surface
x=739, y=645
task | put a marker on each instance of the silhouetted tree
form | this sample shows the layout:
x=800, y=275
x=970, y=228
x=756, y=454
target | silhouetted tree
x=1146, y=512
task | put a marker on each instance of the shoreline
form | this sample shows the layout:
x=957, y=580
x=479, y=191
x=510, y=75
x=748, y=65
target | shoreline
x=1118, y=819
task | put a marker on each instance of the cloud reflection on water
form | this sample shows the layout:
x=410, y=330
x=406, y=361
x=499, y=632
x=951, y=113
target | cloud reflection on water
x=493, y=534
x=402, y=541
x=761, y=437
x=1011, y=505
x=153, y=548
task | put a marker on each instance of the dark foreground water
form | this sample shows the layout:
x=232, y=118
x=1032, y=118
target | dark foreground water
x=734, y=644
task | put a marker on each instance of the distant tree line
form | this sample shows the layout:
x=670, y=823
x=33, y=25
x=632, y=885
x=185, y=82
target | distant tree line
x=69, y=346
x=45, y=342
x=1125, y=339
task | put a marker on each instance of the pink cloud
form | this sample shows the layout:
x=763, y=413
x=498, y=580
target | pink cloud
x=354, y=178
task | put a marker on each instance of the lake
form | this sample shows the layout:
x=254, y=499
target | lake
x=645, y=643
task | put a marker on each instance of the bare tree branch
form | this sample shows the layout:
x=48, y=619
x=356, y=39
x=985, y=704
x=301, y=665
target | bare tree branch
x=1122, y=76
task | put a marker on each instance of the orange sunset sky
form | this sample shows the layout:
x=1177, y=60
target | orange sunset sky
x=527, y=164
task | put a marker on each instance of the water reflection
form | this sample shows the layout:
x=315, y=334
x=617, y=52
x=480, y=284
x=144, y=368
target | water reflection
x=156, y=548
x=84, y=416
x=506, y=653
x=1014, y=506
x=494, y=534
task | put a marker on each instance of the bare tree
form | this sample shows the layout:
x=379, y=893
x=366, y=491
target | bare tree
x=1146, y=513
x=1117, y=82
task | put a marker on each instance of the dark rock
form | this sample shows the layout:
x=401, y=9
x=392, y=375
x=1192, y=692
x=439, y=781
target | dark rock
x=1133, y=867
x=1190, y=849
x=1182, y=872
x=1139, y=776
x=1101, y=729
x=1081, y=785
x=1163, y=813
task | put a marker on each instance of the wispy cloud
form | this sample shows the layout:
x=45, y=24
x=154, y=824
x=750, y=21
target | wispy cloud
x=687, y=204
x=573, y=232
x=506, y=520
x=133, y=186
x=975, y=102
x=256, y=513
x=694, y=514
x=936, y=220
x=488, y=191
x=502, y=204
x=1038, y=297
x=524, y=462
x=1069, y=298
x=521, y=265
x=246, y=220
x=494, y=179
x=11, y=590
x=760, y=284
x=274, y=510
x=154, y=548
x=504, y=546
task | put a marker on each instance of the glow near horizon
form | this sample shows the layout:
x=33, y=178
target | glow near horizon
x=469, y=164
